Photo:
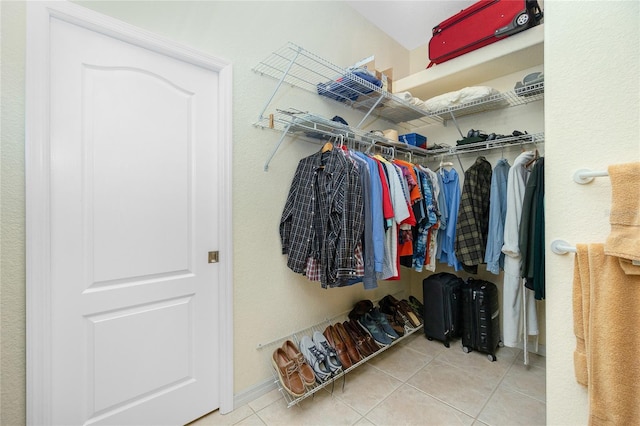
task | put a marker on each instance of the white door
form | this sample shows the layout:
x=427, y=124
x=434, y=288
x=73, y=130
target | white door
x=134, y=205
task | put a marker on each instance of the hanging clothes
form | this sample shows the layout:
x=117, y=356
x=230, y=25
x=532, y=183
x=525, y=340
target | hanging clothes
x=436, y=203
x=531, y=240
x=323, y=216
x=422, y=232
x=449, y=184
x=493, y=257
x=473, y=218
x=400, y=213
x=512, y=288
x=376, y=211
x=368, y=255
x=405, y=232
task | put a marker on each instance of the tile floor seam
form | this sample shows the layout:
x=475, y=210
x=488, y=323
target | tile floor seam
x=390, y=393
x=440, y=400
x=497, y=386
x=246, y=417
x=524, y=394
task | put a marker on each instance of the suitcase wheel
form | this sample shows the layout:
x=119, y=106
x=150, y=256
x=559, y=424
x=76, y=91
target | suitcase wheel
x=466, y=349
x=429, y=338
x=491, y=357
x=446, y=344
x=523, y=19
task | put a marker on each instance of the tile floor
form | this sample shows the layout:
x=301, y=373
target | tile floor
x=416, y=382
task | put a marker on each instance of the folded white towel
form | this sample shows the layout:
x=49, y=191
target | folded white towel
x=459, y=97
x=405, y=96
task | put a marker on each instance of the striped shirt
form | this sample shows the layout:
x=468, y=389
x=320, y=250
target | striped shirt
x=323, y=216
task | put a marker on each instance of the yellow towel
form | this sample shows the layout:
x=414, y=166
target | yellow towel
x=581, y=312
x=607, y=327
x=624, y=239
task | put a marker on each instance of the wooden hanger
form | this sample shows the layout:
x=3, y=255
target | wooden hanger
x=327, y=147
x=535, y=158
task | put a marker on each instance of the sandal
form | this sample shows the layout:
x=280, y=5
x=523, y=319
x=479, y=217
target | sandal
x=408, y=311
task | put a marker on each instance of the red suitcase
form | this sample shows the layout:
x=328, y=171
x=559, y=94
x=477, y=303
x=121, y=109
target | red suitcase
x=482, y=23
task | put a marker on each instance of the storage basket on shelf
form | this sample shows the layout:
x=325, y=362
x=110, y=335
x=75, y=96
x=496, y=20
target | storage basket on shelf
x=414, y=139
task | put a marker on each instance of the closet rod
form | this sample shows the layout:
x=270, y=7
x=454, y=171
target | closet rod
x=562, y=247
x=584, y=176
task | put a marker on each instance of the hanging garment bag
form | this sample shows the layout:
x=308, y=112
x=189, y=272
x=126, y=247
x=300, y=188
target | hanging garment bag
x=442, y=308
x=482, y=23
x=480, y=317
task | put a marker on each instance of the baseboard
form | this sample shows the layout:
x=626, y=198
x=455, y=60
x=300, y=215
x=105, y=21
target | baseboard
x=254, y=392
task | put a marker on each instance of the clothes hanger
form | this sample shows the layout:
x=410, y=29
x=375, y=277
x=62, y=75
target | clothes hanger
x=444, y=164
x=341, y=144
x=536, y=157
x=327, y=146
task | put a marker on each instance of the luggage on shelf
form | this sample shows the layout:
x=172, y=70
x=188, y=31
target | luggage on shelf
x=442, y=308
x=480, y=317
x=482, y=23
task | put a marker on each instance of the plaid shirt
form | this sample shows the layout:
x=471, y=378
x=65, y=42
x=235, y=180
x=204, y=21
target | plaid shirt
x=473, y=217
x=323, y=216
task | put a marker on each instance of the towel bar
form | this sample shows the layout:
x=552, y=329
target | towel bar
x=583, y=176
x=562, y=247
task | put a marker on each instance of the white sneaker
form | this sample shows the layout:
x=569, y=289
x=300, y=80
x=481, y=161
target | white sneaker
x=315, y=358
x=331, y=356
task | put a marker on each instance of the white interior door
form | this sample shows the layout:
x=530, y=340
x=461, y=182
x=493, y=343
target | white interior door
x=134, y=199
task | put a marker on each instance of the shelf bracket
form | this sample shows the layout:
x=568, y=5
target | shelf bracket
x=359, y=126
x=284, y=75
x=275, y=148
x=453, y=117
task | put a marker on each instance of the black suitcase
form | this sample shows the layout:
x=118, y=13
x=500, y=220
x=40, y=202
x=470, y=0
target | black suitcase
x=480, y=317
x=442, y=307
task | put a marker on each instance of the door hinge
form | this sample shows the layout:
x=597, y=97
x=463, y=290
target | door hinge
x=213, y=257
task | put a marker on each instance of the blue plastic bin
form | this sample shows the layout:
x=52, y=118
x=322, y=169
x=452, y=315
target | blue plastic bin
x=414, y=139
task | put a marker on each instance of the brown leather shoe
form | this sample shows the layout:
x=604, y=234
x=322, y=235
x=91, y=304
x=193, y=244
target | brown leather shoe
x=369, y=344
x=304, y=369
x=359, y=340
x=334, y=340
x=396, y=324
x=360, y=308
x=288, y=373
x=400, y=309
x=348, y=342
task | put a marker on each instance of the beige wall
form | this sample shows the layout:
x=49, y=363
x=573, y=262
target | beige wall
x=591, y=120
x=592, y=96
x=12, y=240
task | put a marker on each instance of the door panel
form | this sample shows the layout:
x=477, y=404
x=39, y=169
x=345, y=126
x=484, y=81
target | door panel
x=134, y=211
x=162, y=360
x=130, y=153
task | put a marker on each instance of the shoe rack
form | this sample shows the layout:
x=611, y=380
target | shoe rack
x=340, y=378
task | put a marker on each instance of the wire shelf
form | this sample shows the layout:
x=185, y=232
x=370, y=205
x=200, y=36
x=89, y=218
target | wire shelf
x=319, y=130
x=523, y=96
x=296, y=66
x=533, y=138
